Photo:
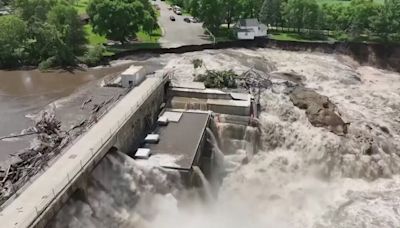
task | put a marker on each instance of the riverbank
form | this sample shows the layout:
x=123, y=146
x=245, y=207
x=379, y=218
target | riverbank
x=386, y=56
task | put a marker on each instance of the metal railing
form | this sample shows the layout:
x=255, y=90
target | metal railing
x=72, y=175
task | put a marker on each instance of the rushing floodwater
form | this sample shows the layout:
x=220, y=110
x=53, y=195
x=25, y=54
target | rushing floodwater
x=302, y=176
x=25, y=93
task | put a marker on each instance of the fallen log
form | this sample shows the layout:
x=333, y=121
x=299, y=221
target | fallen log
x=86, y=102
x=17, y=136
x=6, y=175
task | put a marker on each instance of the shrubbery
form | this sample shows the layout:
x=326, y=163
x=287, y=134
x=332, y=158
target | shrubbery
x=94, y=55
x=218, y=79
x=44, y=32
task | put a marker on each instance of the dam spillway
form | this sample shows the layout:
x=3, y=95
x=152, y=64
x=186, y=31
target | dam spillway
x=122, y=127
x=36, y=204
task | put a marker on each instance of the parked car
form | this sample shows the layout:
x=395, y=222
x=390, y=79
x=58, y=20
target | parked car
x=178, y=12
x=172, y=18
x=186, y=19
x=194, y=20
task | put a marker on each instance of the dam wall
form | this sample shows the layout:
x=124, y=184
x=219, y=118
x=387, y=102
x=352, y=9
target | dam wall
x=36, y=205
x=138, y=125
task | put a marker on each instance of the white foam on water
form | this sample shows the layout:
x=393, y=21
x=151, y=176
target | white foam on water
x=302, y=176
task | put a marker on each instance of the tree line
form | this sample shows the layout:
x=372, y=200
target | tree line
x=359, y=17
x=50, y=33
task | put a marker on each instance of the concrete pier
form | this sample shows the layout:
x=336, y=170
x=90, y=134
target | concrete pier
x=124, y=128
x=183, y=139
x=210, y=99
x=40, y=201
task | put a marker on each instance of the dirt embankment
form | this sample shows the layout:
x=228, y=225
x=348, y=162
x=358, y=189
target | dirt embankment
x=321, y=112
x=385, y=56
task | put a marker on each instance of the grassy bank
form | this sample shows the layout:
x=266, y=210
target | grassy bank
x=305, y=35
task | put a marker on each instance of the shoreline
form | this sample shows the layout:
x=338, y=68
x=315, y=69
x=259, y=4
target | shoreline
x=381, y=55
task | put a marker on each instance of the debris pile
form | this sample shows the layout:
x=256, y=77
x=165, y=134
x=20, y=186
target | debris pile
x=218, y=79
x=49, y=141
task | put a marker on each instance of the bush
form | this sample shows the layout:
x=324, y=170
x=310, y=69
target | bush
x=218, y=79
x=94, y=55
x=48, y=63
x=197, y=63
x=12, y=38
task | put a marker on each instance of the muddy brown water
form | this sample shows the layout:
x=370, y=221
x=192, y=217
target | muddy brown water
x=26, y=92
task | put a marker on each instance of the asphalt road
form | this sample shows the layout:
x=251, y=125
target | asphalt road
x=179, y=33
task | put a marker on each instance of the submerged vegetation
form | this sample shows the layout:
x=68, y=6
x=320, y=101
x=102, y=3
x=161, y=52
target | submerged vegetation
x=218, y=79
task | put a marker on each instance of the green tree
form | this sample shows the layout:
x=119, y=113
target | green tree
x=70, y=35
x=270, y=12
x=387, y=21
x=250, y=8
x=33, y=10
x=231, y=9
x=337, y=17
x=149, y=23
x=302, y=14
x=362, y=13
x=194, y=7
x=54, y=32
x=120, y=19
x=211, y=13
x=12, y=38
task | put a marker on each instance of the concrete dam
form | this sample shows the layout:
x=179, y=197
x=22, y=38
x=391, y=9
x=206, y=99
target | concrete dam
x=155, y=119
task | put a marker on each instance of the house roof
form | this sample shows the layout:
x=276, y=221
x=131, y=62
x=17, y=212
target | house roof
x=248, y=22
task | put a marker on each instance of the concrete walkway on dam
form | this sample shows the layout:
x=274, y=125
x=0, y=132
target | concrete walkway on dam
x=27, y=207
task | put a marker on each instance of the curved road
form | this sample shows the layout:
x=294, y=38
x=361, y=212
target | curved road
x=179, y=33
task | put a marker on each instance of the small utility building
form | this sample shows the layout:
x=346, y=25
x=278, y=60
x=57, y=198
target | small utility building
x=133, y=76
x=249, y=29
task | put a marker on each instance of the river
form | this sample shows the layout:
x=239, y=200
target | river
x=302, y=176
x=24, y=93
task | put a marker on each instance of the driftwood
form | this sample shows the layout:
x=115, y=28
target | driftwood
x=17, y=136
x=86, y=102
x=50, y=140
x=78, y=125
x=6, y=175
x=96, y=107
x=252, y=79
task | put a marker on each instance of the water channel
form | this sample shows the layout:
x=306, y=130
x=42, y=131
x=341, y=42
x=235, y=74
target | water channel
x=301, y=176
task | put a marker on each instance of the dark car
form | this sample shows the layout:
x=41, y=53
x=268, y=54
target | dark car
x=186, y=19
x=172, y=18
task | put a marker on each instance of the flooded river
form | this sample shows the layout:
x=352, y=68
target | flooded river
x=24, y=93
x=302, y=176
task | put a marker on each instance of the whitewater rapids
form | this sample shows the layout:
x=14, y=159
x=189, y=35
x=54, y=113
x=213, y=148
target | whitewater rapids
x=302, y=176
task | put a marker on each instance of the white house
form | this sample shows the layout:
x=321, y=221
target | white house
x=248, y=29
x=133, y=76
